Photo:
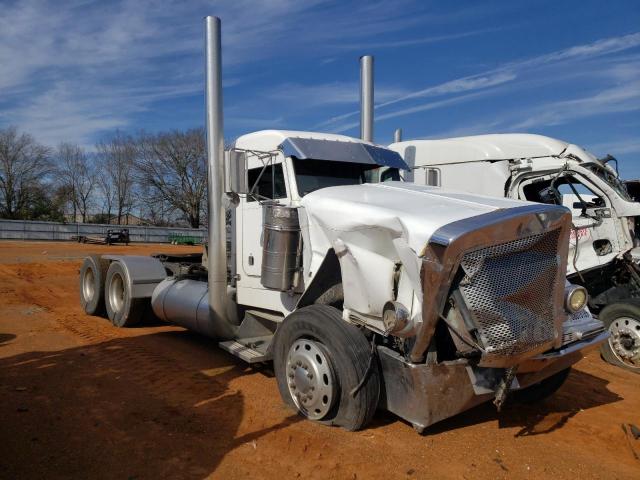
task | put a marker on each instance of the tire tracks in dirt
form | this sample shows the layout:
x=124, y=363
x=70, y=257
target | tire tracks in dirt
x=160, y=375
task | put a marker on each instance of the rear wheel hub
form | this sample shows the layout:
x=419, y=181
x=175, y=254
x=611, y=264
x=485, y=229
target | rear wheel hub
x=88, y=284
x=116, y=292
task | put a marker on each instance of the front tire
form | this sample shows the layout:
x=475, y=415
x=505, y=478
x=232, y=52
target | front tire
x=122, y=310
x=622, y=348
x=318, y=360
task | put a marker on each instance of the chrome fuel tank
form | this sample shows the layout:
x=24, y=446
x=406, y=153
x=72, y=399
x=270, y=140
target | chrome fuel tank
x=281, y=245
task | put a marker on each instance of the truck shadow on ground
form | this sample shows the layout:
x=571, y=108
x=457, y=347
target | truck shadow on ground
x=120, y=409
x=581, y=391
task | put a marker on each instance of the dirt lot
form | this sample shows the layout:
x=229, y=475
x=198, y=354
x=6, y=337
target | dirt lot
x=80, y=398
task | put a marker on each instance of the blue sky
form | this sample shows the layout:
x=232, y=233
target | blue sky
x=78, y=70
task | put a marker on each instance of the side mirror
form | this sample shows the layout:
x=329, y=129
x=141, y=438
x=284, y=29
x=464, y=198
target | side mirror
x=236, y=172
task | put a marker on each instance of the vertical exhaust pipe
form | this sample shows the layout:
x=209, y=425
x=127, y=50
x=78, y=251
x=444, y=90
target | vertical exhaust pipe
x=397, y=135
x=206, y=308
x=217, y=255
x=366, y=98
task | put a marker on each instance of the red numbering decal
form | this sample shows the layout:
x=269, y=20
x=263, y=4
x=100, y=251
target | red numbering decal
x=580, y=233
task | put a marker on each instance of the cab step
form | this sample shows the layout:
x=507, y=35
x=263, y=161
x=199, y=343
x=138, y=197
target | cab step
x=251, y=350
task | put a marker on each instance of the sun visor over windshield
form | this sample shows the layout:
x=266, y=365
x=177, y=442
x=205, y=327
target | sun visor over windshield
x=337, y=151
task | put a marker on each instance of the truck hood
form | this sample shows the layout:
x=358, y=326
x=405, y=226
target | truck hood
x=413, y=212
x=376, y=229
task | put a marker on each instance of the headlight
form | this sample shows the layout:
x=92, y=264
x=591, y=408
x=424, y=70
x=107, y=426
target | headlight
x=395, y=317
x=576, y=298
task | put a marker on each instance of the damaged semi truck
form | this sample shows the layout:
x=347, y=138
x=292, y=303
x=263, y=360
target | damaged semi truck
x=603, y=254
x=364, y=296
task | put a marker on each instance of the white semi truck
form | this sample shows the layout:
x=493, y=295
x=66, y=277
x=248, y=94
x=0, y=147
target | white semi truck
x=603, y=254
x=396, y=296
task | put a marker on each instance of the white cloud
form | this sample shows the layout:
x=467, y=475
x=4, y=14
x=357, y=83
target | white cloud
x=80, y=67
x=621, y=98
x=326, y=94
x=419, y=108
x=75, y=69
x=460, y=85
x=419, y=41
x=539, y=70
x=604, y=46
x=620, y=146
x=620, y=93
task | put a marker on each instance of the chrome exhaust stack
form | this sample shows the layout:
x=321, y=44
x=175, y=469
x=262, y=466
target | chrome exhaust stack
x=217, y=255
x=397, y=135
x=206, y=307
x=366, y=98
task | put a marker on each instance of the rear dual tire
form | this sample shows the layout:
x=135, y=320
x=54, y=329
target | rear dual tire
x=92, y=277
x=104, y=290
x=122, y=309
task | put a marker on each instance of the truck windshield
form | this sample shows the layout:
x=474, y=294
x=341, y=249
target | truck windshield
x=611, y=179
x=312, y=175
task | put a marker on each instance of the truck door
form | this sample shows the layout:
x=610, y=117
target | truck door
x=594, y=230
x=270, y=185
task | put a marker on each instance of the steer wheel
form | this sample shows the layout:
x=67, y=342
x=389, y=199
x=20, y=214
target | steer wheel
x=319, y=359
x=623, y=346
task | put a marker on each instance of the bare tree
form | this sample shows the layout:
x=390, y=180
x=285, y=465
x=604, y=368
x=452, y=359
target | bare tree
x=172, y=167
x=24, y=164
x=156, y=209
x=117, y=155
x=106, y=190
x=76, y=174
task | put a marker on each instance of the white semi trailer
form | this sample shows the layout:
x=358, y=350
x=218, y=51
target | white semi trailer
x=603, y=254
x=422, y=302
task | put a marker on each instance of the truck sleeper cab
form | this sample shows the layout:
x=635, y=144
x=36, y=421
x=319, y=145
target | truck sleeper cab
x=602, y=253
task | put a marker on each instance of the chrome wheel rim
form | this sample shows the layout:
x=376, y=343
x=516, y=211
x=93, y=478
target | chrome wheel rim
x=88, y=286
x=116, y=292
x=625, y=340
x=310, y=378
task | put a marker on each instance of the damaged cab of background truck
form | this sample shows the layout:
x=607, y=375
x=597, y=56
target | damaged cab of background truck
x=603, y=253
x=422, y=302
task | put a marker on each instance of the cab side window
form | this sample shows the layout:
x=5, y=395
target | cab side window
x=579, y=197
x=566, y=191
x=270, y=185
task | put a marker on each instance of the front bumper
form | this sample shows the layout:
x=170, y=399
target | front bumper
x=561, y=355
x=424, y=393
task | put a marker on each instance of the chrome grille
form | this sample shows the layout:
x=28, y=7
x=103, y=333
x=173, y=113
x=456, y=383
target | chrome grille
x=509, y=290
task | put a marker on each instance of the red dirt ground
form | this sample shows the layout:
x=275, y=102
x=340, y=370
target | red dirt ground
x=82, y=399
